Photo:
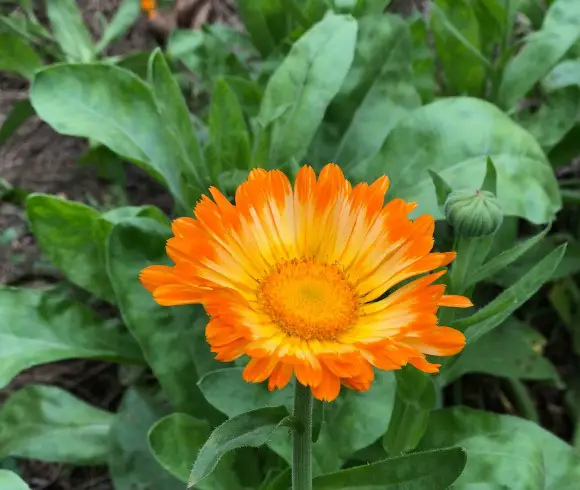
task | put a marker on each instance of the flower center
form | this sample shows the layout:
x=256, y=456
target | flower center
x=308, y=299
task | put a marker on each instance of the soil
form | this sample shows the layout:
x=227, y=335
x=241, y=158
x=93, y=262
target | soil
x=40, y=160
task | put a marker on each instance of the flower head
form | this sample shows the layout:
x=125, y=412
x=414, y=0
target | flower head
x=149, y=7
x=297, y=279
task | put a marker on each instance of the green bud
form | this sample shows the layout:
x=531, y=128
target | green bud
x=473, y=213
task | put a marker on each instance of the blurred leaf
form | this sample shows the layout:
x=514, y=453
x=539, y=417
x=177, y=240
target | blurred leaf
x=125, y=16
x=565, y=74
x=114, y=107
x=249, y=429
x=504, y=259
x=137, y=62
x=165, y=334
x=229, y=138
x=490, y=180
x=131, y=464
x=69, y=30
x=50, y=424
x=556, y=117
x=317, y=419
x=177, y=122
x=17, y=56
x=11, y=481
x=458, y=45
x=265, y=21
x=543, y=49
x=300, y=90
x=416, y=397
x=41, y=326
x=504, y=451
x=176, y=441
x=454, y=137
x=435, y=470
x=509, y=300
x=249, y=94
x=512, y=350
x=442, y=188
x=183, y=42
x=226, y=391
x=423, y=59
x=377, y=92
x=19, y=113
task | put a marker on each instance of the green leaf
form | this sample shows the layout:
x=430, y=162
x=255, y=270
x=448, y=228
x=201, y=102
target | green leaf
x=114, y=107
x=458, y=44
x=229, y=137
x=565, y=74
x=555, y=118
x=499, y=262
x=177, y=121
x=69, y=30
x=512, y=350
x=124, y=18
x=131, y=464
x=317, y=419
x=50, y=424
x=435, y=470
x=376, y=93
x=249, y=429
x=454, y=137
x=416, y=397
x=11, y=481
x=19, y=113
x=41, y=326
x=226, y=391
x=503, y=450
x=302, y=87
x=17, y=56
x=164, y=334
x=442, y=188
x=265, y=21
x=543, y=49
x=490, y=179
x=508, y=301
x=423, y=58
x=176, y=440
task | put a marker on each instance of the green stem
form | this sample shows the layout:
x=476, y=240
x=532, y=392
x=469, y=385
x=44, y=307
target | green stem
x=523, y=400
x=302, y=439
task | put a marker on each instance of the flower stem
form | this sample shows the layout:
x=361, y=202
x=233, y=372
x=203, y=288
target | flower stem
x=302, y=439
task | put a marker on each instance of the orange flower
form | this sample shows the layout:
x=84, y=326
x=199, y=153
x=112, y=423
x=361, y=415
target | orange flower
x=149, y=7
x=297, y=280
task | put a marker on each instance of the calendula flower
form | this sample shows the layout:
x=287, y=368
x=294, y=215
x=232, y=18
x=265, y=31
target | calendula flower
x=302, y=280
x=149, y=7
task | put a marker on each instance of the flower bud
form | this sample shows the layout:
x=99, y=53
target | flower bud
x=473, y=213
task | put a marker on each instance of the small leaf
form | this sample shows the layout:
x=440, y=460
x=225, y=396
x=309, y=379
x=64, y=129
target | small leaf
x=18, y=56
x=504, y=259
x=302, y=83
x=41, y=326
x=50, y=424
x=317, y=419
x=435, y=470
x=442, y=188
x=69, y=30
x=19, y=113
x=11, y=481
x=248, y=429
x=416, y=397
x=124, y=18
x=265, y=21
x=494, y=313
x=490, y=179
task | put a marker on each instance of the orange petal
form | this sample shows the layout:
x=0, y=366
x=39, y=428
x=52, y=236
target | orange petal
x=156, y=275
x=281, y=376
x=178, y=294
x=438, y=341
x=455, y=301
x=329, y=387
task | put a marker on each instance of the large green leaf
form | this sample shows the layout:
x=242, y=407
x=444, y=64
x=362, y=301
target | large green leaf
x=423, y=58
x=41, y=326
x=377, y=91
x=73, y=236
x=513, y=350
x=17, y=56
x=176, y=441
x=433, y=470
x=131, y=464
x=456, y=33
x=454, y=137
x=252, y=429
x=114, y=107
x=504, y=451
x=543, y=49
x=563, y=75
x=226, y=391
x=165, y=334
x=69, y=30
x=11, y=481
x=50, y=424
x=301, y=89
